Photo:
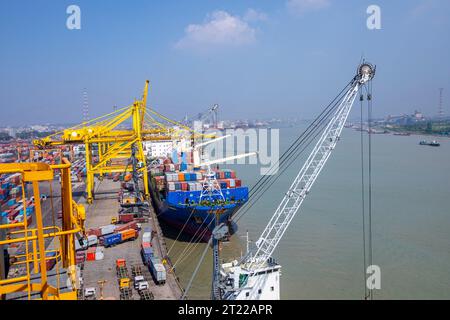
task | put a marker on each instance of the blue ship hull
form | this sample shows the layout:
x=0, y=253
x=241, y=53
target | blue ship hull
x=195, y=220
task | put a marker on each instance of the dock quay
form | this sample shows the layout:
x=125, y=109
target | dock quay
x=102, y=273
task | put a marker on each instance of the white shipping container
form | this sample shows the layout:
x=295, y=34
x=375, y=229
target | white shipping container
x=110, y=228
x=160, y=272
x=171, y=186
x=147, y=237
x=92, y=240
x=99, y=255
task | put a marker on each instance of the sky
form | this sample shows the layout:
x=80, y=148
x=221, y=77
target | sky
x=255, y=58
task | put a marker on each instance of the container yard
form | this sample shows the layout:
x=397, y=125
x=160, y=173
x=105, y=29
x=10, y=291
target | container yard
x=138, y=244
x=110, y=236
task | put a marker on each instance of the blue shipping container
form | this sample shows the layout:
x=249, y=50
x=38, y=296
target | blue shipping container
x=147, y=255
x=112, y=239
x=147, y=229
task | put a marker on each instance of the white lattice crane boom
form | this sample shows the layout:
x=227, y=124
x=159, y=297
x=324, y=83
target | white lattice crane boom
x=256, y=265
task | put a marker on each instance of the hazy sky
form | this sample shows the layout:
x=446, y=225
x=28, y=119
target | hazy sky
x=257, y=58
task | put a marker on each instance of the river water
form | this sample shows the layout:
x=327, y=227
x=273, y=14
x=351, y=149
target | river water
x=322, y=251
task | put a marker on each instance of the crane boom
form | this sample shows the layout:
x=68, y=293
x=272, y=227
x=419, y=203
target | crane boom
x=304, y=180
x=257, y=269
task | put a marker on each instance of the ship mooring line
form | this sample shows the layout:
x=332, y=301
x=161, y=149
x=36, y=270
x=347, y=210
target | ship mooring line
x=370, y=179
x=363, y=197
x=196, y=269
x=182, y=229
x=191, y=246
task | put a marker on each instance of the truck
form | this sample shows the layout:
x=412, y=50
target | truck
x=157, y=270
x=140, y=283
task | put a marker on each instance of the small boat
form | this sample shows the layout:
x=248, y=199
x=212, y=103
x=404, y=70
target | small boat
x=433, y=143
x=402, y=134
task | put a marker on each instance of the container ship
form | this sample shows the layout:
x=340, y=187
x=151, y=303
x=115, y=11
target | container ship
x=178, y=192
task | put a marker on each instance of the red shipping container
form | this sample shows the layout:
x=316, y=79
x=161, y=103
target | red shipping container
x=91, y=254
x=129, y=225
x=97, y=232
x=184, y=186
x=126, y=217
x=238, y=183
x=146, y=244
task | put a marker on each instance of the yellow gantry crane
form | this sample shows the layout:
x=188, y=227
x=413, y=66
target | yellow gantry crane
x=108, y=139
x=37, y=282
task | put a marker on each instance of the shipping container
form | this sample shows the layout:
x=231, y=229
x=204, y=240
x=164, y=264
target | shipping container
x=96, y=231
x=126, y=217
x=157, y=270
x=108, y=229
x=147, y=237
x=112, y=239
x=129, y=234
x=90, y=255
x=99, y=253
x=129, y=225
x=147, y=254
x=92, y=240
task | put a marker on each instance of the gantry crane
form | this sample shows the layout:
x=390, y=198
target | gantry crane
x=37, y=282
x=109, y=139
x=257, y=275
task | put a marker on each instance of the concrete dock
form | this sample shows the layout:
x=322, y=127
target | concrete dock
x=105, y=207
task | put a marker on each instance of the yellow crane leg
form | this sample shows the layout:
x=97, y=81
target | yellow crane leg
x=40, y=235
x=144, y=170
x=89, y=175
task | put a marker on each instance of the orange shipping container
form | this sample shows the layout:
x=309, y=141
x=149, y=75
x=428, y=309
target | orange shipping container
x=181, y=177
x=121, y=263
x=128, y=234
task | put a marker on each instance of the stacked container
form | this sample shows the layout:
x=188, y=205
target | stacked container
x=80, y=257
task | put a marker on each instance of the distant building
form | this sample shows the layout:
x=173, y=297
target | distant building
x=39, y=128
x=418, y=115
x=12, y=132
x=158, y=148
